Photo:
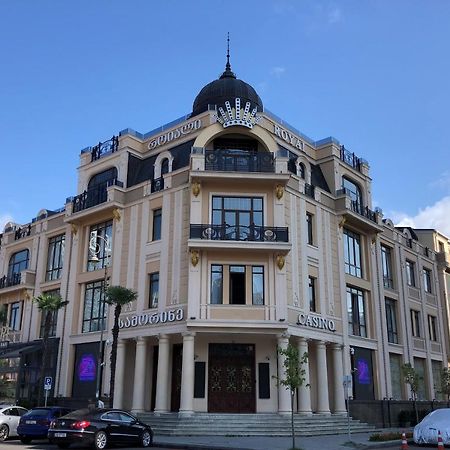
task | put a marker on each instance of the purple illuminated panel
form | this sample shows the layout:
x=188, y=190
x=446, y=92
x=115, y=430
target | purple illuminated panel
x=87, y=367
x=363, y=371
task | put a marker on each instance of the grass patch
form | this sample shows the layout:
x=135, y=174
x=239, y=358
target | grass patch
x=381, y=437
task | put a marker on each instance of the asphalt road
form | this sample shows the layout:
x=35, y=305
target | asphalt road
x=15, y=444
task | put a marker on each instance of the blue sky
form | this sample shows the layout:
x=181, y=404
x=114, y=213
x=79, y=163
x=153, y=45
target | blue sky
x=373, y=74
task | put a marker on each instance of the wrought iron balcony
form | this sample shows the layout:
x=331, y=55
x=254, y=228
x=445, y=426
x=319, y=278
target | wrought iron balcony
x=12, y=280
x=239, y=161
x=350, y=159
x=22, y=232
x=105, y=148
x=363, y=211
x=226, y=232
x=93, y=197
x=158, y=184
x=309, y=190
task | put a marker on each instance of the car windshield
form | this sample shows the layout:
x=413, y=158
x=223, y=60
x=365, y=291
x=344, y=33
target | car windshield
x=38, y=412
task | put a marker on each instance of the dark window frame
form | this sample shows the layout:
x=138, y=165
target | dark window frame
x=257, y=275
x=309, y=227
x=432, y=328
x=312, y=293
x=15, y=316
x=386, y=263
x=55, y=257
x=16, y=265
x=410, y=273
x=415, y=323
x=427, y=278
x=216, y=269
x=352, y=253
x=94, y=308
x=153, y=290
x=104, y=254
x=157, y=224
x=391, y=320
x=356, y=310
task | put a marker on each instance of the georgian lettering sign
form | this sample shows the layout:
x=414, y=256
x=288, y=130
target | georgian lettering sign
x=173, y=135
x=319, y=322
x=140, y=320
x=287, y=136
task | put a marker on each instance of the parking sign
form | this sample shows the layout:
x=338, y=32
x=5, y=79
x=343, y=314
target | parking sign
x=47, y=383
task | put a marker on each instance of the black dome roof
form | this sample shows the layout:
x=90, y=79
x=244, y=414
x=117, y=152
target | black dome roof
x=227, y=87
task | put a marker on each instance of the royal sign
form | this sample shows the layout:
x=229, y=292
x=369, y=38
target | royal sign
x=287, y=136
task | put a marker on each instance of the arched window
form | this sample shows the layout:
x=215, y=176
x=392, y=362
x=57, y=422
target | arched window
x=164, y=166
x=18, y=262
x=353, y=190
x=301, y=170
x=103, y=178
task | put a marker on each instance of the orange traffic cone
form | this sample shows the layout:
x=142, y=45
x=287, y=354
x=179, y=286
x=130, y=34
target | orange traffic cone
x=440, y=442
x=404, y=442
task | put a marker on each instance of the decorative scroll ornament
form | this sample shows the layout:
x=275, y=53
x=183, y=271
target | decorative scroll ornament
x=280, y=261
x=116, y=214
x=236, y=115
x=74, y=229
x=342, y=222
x=195, y=257
x=196, y=188
x=279, y=191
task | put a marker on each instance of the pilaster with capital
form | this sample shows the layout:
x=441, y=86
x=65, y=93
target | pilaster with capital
x=162, y=381
x=338, y=375
x=120, y=374
x=139, y=375
x=323, y=402
x=304, y=391
x=284, y=395
x=187, y=375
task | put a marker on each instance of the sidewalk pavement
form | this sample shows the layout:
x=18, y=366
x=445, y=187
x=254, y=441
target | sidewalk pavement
x=324, y=442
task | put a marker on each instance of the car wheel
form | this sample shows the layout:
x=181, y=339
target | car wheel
x=63, y=445
x=25, y=440
x=4, y=432
x=146, y=438
x=100, y=440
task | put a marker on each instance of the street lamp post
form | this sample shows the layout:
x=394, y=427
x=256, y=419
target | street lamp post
x=95, y=249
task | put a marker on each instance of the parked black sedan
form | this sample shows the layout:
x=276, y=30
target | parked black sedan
x=99, y=427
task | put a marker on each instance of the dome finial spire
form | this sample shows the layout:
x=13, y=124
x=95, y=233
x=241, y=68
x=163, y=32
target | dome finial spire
x=228, y=72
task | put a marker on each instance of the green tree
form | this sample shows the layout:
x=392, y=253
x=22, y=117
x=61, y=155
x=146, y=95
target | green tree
x=116, y=296
x=444, y=387
x=49, y=304
x=294, y=376
x=412, y=378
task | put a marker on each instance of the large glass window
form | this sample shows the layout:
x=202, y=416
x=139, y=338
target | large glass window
x=94, y=312
x=99, y=246
x=156, y=232
x=216, y=284
x=410, y=273
x=15, y=316
x=352, y=253
x=238, y=216
x=356, y=312
x=18, y=262
x=309, y=224
x=353, y=190
x=432, y=328
x=312, y=293
x=415, y=323
x=55, y=257
x=154, y=290
x=395, y=364
x=53, y=320
x=391, y=320
x=258, y=285
x=386, y=260
x=427, y=280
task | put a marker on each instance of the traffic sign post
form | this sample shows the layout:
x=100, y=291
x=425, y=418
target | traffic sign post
x=47, y=387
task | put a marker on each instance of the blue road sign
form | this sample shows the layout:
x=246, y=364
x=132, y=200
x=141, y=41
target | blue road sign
x=47, y=383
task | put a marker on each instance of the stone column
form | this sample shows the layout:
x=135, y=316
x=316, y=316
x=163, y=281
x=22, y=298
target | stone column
x=304, y=392
x=284, y=395
x=139, y=375
x=120, y=374
x=338, y=375
x=187, y=375
x=162, y=381
x=323, y=405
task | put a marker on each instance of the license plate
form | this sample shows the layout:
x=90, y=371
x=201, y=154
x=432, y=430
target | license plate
x=31, y=422
x=60, y=434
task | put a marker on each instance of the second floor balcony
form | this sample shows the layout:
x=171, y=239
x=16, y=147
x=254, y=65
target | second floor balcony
x=225, y=232
x=234, y=160
x=12, y=280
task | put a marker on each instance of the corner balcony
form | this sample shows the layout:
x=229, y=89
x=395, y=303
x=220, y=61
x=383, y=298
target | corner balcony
x=17, y=281
x=360, y=216
x=253, y=237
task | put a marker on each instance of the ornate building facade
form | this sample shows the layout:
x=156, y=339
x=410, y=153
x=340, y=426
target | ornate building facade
x=240, y=235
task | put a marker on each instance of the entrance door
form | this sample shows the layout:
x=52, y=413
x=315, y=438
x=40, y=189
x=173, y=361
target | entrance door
x=177, y=362
x=231, y=378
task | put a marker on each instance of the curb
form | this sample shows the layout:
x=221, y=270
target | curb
x=195, y=446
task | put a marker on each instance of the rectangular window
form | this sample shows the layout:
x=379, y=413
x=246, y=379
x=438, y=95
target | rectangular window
x=352, y=253
x=391, y=320
x=237, y=285
x=53, y=319
x=432, y=328
x=415, y=323
x=154, y=290
x=309, y=224
x=395, y=364
x=356, y=312
x=258, y=285
x=156, y=230
x=427, y=280
x=94, y=312
x=216, y=284
x=55, y=257
x=386, y=260
x=312, y=293
x=15, y=316
x=100, y=245
x=410, y=273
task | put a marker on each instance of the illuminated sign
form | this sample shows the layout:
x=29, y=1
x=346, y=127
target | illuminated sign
x=86, y=367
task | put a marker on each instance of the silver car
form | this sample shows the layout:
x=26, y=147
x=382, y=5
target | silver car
x=9, y=419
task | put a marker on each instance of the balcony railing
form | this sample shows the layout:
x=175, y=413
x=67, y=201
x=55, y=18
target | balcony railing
x=158, y=184
x=12, y=280
x=105, y=148
x=350, y=159
x=239, y=161
x=363, y=211
x=22, y=232
x=239, y=233
x=93, y=197
x=309, y=190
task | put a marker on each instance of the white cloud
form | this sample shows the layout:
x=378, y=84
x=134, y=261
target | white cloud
x=436, y=216
x=278, y=71
x=4, y=219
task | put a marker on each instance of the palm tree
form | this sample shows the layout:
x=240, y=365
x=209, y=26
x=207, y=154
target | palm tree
x=49, y=304
x=117, y=296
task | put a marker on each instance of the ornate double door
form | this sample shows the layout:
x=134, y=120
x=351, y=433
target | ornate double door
x=231, y=378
